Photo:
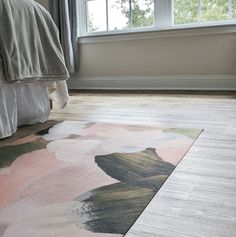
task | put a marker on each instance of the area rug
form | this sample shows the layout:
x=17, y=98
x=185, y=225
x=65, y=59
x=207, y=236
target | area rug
x=85, y=180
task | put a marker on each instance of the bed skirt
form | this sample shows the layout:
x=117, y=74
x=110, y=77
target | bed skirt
x=22, y=104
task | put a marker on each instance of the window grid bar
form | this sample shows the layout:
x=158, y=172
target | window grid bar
x=163, y=13
x=107, y=17
x=199, y=10
x=230, y=8
x=130, y=14
x=87, y=17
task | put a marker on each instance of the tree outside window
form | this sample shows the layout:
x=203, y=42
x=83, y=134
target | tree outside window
x=111, y=15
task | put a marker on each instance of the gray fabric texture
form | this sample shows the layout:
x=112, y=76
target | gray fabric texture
x=29, y=42
x=64, y=14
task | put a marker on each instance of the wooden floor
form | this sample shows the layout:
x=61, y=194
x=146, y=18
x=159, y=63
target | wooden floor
x=199, y=198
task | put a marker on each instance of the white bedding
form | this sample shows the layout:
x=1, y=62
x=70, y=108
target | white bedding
x=27, y=103
x=29, y=43
x=22, y=104
x=32, y=65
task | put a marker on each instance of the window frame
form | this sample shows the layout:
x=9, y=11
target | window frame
x=164, y=20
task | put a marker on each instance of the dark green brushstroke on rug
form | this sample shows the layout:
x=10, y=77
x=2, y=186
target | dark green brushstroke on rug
x=8, y=154
x=128, y=167
x=44, y=131
x=114, y=208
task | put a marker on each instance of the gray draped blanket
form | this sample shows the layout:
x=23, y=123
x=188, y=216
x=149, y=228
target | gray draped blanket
x=29, y=43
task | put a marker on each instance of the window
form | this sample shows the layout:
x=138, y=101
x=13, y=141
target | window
x=128, y=15
x=193, y=11
x=108, y=15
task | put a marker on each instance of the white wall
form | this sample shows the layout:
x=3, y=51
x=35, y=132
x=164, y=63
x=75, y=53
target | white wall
x=199, y=55
x=187, y=61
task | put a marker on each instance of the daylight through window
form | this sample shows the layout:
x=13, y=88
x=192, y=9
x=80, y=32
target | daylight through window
x=125, y=15
x=193, y=11
x=111, y=15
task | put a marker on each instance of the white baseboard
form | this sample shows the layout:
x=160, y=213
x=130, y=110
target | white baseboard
x=193, y=82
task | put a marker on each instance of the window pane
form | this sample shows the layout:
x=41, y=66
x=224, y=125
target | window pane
x=192, y=11
x=142, y=13
x=96, y=15
x=234, y=9
x=185, y=11
x=118, y=14
x=214, y=10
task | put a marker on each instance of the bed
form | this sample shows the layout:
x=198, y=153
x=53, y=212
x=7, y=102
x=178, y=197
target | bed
x=32, y=66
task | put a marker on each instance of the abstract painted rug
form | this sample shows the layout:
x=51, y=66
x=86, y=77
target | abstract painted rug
x=85, y=180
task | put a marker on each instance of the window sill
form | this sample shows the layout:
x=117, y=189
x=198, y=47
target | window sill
x=152, y=33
